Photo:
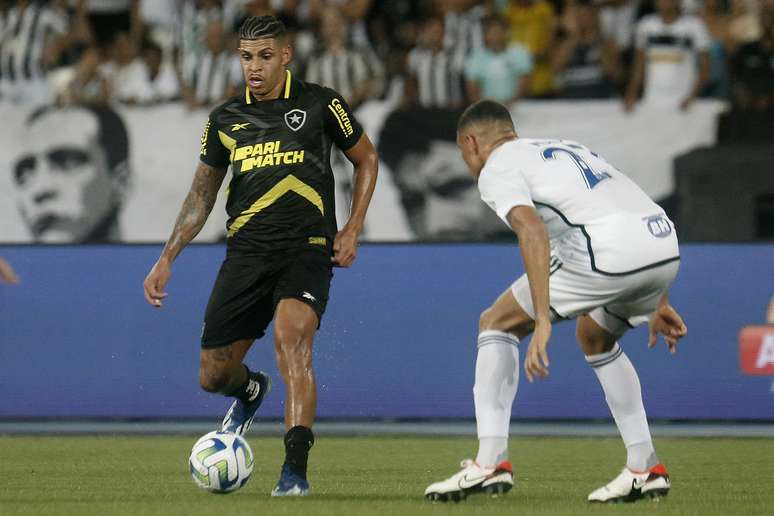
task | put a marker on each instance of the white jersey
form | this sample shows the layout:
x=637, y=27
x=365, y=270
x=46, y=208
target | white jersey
x=596, y=217
x=670, y=55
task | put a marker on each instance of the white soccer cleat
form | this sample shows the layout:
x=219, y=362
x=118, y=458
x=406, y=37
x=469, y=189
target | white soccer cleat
x=630, y=486
x=472, y=478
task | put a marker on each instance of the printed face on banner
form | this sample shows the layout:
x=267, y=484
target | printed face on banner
x=64, y=190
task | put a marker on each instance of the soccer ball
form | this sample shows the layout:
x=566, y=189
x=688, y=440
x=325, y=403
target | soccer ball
x=221, y=462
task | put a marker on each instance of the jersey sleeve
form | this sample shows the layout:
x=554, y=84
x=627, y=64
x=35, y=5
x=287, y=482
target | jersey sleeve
x=340, y=123
x=212, y=151
x=502, y=189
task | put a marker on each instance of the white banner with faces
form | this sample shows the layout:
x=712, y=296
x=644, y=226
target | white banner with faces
x=78, y=174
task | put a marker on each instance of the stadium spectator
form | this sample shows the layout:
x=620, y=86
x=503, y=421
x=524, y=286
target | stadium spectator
x=753, y=67
x=668, y=44
x=160, y=81
x=715, y=17
x=128, y=78
x=215, y=75
x=745, y=26
x=585, y=62
x=393, y=28
x=84, y=83
x=464, y=24
x=7, y=274
x=32, y=36
x=72, y=173
x=351, y=72
x=109, y=18
x=618, y=19
x=498, y=71
x=533, y=25
x=354, y=12
x=195, y=16
x=434, y=75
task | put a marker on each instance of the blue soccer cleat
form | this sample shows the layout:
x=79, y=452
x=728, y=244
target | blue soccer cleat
x=240, y=416
x=290, y=483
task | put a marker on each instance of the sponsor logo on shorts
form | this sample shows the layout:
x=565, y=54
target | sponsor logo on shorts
x=658, y=225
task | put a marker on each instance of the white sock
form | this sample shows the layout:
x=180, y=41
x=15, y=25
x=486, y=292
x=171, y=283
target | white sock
x=497, y=378
x=621, y=386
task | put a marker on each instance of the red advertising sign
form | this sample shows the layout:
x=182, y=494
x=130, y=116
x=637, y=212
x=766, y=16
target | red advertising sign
x=756, y=350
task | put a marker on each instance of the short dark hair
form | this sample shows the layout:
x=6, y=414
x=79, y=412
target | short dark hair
x=262, y=27
x=111, y=131
x=495, y=19
x=484, y=111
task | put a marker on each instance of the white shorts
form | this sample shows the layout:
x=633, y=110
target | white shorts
x=617, y=303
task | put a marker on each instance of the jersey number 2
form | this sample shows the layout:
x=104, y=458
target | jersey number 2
x=590, y=176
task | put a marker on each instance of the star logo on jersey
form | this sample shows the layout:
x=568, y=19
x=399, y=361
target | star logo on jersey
x=237, y=127
x=295, y=119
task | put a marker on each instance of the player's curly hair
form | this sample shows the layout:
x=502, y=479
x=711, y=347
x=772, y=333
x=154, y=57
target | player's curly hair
x=484, y=111
x=261, y=27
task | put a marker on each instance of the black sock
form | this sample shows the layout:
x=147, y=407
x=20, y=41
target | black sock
x=298, y=442
x=249, y=389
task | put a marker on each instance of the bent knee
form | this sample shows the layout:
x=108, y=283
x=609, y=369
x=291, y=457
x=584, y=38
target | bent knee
x=592, y=339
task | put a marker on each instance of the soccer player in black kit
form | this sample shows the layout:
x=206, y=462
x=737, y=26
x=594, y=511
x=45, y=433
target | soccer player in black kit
x=282, y=233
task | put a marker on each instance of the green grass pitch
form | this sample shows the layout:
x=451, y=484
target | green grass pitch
x=371, y=476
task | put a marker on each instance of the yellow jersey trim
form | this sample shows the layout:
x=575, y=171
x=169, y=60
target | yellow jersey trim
x=285, y=95
x=229, y=143
x=290, y=184
x=287, y=84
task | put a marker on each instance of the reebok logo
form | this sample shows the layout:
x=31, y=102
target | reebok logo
x=237, y=127
x=310, y=297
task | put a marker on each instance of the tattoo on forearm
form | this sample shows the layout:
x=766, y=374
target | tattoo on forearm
x=196, y=208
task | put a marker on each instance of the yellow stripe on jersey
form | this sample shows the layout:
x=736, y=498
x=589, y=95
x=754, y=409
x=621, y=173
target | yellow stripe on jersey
x=229, y=143
x=287, y=84
x=290, y=184
x=248, y=100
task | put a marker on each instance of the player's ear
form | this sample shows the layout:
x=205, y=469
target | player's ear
x=287, y=52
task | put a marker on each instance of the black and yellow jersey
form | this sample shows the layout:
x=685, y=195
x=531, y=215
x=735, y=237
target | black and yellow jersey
x=281, y=194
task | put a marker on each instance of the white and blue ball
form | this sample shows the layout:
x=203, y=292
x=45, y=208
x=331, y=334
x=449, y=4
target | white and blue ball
x=221, y=462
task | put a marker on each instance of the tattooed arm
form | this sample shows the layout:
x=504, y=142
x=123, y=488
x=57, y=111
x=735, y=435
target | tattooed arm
x=193, y=214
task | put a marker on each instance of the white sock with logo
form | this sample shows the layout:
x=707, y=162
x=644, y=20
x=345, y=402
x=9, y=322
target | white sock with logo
x=497, y=378
x=621, y=386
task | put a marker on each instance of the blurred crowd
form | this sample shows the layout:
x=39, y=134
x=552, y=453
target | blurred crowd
x=433, y=53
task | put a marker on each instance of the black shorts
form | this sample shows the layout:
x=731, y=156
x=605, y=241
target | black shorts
x=247, y=290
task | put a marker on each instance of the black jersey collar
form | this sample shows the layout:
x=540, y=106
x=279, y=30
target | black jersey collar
x=285, y=94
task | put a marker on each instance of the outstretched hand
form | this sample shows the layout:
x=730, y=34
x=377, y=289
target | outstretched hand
x=667, y=322
x=156, y=281
x=7, y=273
x=536, y=361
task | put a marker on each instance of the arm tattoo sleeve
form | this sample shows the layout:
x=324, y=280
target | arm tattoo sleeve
x=196, y=208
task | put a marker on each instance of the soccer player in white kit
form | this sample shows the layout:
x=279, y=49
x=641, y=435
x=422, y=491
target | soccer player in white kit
x=597, y=249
